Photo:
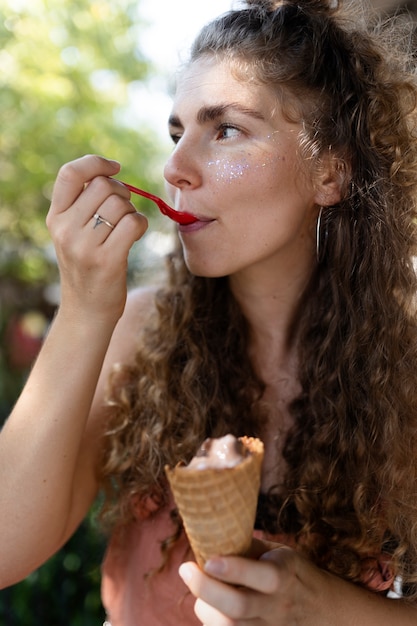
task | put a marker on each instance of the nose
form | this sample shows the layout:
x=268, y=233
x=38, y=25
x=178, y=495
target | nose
x=182, y=169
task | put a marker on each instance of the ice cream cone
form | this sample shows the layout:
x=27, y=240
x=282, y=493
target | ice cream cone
x=218, y=505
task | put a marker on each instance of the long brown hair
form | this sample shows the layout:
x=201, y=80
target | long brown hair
x=350, y=490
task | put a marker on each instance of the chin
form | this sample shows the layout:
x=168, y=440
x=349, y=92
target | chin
x=204, y=271
x=203, y=274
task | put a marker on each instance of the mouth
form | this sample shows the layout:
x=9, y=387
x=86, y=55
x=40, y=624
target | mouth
x=197, y=224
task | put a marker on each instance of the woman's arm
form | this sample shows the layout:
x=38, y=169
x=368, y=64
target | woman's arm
x=47, y=455
x=284, y=589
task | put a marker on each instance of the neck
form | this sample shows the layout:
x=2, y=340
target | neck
x=270, y=305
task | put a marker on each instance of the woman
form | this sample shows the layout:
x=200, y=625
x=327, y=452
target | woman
x=289, y=314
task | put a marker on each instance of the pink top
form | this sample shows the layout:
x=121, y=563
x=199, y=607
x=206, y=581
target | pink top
x=133, y=599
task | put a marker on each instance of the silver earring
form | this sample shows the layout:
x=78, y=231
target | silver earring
x=320, y=247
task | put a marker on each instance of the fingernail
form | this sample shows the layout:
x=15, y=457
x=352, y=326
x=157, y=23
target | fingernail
x=185, y=572
x=215, y=566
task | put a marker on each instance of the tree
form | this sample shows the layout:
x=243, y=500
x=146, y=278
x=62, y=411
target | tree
x=66, y=70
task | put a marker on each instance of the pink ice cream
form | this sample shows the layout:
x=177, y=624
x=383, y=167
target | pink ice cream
x=219, y=453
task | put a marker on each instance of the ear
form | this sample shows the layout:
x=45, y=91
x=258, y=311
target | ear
x=331, y=180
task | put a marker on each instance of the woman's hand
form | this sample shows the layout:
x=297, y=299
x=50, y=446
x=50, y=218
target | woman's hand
x=93, y=225
x=279, y=589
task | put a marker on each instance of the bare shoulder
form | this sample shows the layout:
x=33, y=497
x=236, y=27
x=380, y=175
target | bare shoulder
x=140, y=303
x=140, y=307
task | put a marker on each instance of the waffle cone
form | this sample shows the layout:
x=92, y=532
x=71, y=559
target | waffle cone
x=218, y=506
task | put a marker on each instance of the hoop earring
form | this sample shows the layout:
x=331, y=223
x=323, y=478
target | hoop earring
x=320, y=247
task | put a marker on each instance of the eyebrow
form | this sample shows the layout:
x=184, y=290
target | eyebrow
x=212, y=113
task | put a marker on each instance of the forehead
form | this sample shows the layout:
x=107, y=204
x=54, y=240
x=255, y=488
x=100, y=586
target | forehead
x=209, y=82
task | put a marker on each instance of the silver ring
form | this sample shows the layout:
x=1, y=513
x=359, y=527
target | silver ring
x=101, y=220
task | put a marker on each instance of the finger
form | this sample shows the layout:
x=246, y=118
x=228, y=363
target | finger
x=209, y=616
x=228, y=600
x=262, y=575
x=260, y=546
x=103, y=216
x=104, y=201
x=100, y=206
x=130, y=228
x=99, y=191
x=73, y=176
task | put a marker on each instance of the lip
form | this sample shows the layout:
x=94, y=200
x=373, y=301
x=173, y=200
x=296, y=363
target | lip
x=194, y=226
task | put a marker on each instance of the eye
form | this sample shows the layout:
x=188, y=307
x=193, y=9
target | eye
x=228, y=131
x=175, y=128
x=175, y=137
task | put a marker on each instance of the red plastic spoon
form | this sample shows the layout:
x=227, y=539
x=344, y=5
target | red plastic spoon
x=178, y=216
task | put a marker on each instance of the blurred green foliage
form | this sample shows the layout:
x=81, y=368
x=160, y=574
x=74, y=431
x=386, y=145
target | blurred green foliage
x=65, y=591
x=66, y=67
x=66, y=70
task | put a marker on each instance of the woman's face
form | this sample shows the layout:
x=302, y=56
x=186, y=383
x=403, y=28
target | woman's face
x=236, y=166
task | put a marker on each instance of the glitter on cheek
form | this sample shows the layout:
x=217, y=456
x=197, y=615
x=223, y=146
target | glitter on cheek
x=227, y=170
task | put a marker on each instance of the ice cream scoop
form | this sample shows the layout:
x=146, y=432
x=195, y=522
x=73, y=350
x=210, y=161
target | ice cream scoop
x=219, y=453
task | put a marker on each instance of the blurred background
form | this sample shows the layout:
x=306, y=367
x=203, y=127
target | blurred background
x=78, y=77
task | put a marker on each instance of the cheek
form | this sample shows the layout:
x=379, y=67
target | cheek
x=230, y=180
x=228, y=173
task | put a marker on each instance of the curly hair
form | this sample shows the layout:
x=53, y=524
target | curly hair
x=350, y=487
